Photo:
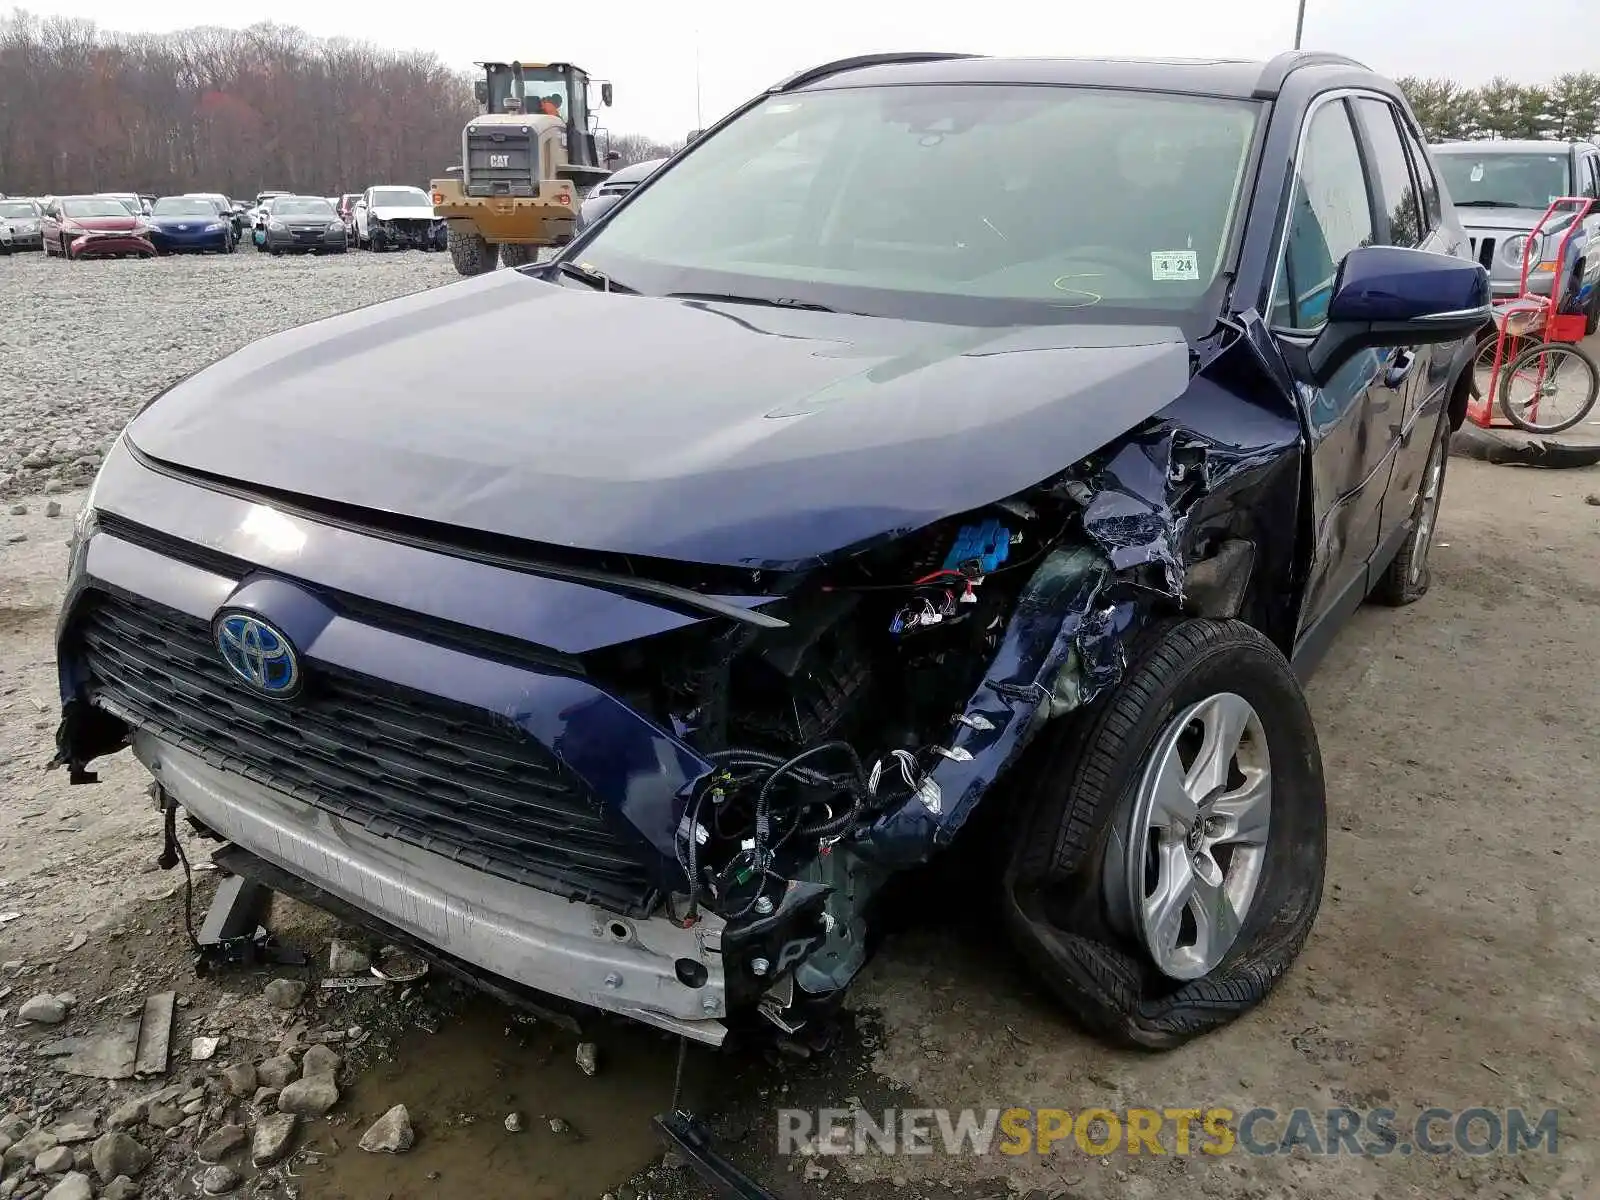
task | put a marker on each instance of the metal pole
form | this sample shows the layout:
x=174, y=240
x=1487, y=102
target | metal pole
x=1299, y=24
x=699, y=115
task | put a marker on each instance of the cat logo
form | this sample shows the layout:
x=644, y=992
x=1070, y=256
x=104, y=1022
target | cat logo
x=499, y=160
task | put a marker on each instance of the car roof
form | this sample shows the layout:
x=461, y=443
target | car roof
x=1226, y=77
x=1508, y=146
x=634, y=172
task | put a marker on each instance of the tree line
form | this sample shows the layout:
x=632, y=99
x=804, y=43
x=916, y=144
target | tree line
x=1568, y=108
x=232, y=111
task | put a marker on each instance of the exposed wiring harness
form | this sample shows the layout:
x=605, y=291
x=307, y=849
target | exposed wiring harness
x=740, y=770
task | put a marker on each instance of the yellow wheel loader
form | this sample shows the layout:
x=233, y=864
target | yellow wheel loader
x=526, y=163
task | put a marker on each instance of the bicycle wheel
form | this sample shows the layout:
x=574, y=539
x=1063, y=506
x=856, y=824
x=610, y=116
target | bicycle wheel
x=1484, y=359
x=1549, y=387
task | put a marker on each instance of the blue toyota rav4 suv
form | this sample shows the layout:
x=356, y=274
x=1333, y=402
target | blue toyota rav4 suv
x=936, y=436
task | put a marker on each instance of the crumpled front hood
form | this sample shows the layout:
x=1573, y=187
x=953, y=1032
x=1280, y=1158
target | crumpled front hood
x=385, y=213
x=732, y=433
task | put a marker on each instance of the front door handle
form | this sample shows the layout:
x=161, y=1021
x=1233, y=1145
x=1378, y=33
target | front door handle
x=1400, y=368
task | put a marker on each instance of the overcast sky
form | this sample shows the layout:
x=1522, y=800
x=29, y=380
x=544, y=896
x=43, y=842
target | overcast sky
x=648, y=48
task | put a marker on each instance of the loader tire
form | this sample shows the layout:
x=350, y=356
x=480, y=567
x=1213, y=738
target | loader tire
x=472, y=253
x=512, y=255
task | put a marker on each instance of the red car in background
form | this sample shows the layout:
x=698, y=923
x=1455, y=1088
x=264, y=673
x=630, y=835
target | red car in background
x=93, y=226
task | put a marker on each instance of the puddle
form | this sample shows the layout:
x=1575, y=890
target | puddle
x=460, y=1083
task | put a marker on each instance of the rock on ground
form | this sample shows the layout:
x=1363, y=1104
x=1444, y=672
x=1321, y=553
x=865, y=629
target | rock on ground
x=345, y=959
x=309, y=1097
x=390, y=1133
x=284, y=993
x=276, y=1071
x=120, y=1188
x=218, y=1181
x=588, y=1057
x=55, y=1161
x=43, y=1009
x=218, y=1145
x=273, y=1135
x=72, y=1187
x=240, y=1080
x=320, y=1060
x=117, y=1153
x=128, y=1114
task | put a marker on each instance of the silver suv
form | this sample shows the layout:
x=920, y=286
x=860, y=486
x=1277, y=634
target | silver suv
x=1502, y=188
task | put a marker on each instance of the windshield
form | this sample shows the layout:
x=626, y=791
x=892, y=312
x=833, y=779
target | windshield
x=178, y=206
x=400, y=198
x=94, y=208
x=18, y=208
x=1485, y=179
x=301, y=206
x=991, y=203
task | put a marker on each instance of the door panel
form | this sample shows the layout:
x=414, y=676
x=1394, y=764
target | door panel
x=1410, y=198
x=1333, y=211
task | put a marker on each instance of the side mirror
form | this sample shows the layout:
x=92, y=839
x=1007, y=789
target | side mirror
x=693, y=133
x=1391, y=296
x=480, y=91
x=605, y=94
x=613, y=156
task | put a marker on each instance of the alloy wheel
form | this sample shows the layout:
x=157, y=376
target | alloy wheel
x=1196, y=840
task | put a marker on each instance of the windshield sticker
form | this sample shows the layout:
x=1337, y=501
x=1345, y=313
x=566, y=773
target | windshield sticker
x=1477, y=173
x=1174, y=264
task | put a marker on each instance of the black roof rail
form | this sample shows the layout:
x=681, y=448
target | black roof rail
x=812, y=74
x=1280, y=66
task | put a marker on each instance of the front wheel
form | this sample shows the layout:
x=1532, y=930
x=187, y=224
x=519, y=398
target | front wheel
x=1172, y=861
x=1549, y=387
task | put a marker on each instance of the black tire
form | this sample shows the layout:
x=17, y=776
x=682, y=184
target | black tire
x=1055, y=904
x=472, y=253
x=1405, y=580
x=1591, y=325
x=513, y=255
x=1576, y=357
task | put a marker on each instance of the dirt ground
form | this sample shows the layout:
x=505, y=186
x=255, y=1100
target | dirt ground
x=1453, y=963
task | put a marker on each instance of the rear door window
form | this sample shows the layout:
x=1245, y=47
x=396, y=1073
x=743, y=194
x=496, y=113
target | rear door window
x=1397, y=190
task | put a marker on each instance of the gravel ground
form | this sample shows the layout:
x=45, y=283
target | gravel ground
x=95, y=339
x=1452, y=964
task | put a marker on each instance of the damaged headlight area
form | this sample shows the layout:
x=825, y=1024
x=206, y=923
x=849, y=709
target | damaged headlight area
x=857, y=739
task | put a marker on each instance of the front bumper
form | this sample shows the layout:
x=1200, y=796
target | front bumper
x=96, y=245
x=176, y=242
x=414, y=235
x=24, y=241
x=576, y=951
x=304, y=242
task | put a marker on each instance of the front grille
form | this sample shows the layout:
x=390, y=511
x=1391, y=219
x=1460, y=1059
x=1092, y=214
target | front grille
x=501, y=160
x=402, y=764
x=1484, y=251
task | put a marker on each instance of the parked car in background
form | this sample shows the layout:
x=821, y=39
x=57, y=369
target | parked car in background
x=303, y=225
x=263, y=197
x=132, y=201
x=93, y=227
x=22, y=217
x=231, y=210
x=392, y=217
x=609, y=193
x=1040, y=506
x=1503, y=188
x=347, y=212
x=190, y=224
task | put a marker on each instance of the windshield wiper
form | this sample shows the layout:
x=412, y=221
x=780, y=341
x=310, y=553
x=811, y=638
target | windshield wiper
x=598, y=280
x=729, y=298
x=1490, y=204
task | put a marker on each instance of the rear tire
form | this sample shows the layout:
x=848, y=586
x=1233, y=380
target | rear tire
x=1081, y=861
x=517, y=255
x=1405, y=580
x=472, y=253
